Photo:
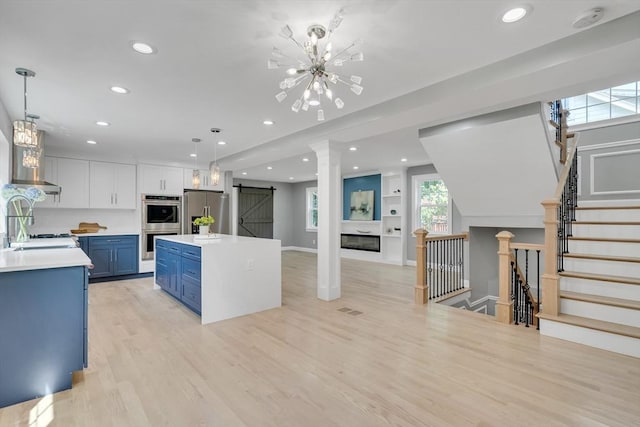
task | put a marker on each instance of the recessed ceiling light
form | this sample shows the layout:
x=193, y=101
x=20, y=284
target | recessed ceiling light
x=403, y=159
x=269, y=168
x=222, y=143
x=356, y=168
x=268, y=122
x=514, y=15
x=101, y=123
x=193, y=155
x=305, y=159
x=144, y=48
x=119, y=89
x=290, y=177
x=353, y=148
x=92, y=142
x=244, y=173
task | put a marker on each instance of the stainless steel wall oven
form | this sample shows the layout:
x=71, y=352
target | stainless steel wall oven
x=161, y=215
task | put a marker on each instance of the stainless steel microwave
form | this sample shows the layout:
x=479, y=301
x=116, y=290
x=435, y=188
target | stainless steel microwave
x=161, y=213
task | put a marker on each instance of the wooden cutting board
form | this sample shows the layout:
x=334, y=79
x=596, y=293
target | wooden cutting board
x=91, y=227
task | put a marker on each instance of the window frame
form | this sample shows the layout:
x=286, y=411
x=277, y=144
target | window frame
x=309, y=193
x=417, y=181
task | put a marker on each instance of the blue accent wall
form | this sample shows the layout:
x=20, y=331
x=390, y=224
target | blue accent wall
x=362, y=183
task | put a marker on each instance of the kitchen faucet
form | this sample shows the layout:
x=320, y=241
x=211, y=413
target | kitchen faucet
x=6, y=242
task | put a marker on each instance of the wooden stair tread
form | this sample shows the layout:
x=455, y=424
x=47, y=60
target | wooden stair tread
x=598, y=299
x=601, y=277
x=605, y=239
x=595, y=208
x=602, y=257
x=598, y=325
x=606, y=222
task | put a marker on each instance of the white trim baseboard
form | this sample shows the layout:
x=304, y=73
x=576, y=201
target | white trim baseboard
x=411, y=262
x=299, y=249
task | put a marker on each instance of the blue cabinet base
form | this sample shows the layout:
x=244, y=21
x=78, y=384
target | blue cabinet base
x=43, y=331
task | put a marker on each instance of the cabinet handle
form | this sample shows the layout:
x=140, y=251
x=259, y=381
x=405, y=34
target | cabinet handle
x=111, y=256
x=111, y=199
x=116, y=198
x=111, y=241
x=116, y=252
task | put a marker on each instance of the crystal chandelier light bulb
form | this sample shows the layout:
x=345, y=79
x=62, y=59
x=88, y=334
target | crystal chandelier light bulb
x=307, y=93
x=305, y=106
x=214, y=174
x=314, y=102
x=329, y=93
x=296, y=106
x=292, y=71
x=357, y=56
x=31, y=158
x=356, y=79
x=272, y=64
x=356, y=89
x=281, y=96
x=320, y=115
x=339, y=103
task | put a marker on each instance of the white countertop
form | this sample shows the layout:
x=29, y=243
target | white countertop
x=191, y=239
x=107, y=233
x=38, y=259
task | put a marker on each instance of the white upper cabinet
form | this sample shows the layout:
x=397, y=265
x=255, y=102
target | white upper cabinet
x=161, y=180
x=72, y=176
x=205, y=181
x=113, y=186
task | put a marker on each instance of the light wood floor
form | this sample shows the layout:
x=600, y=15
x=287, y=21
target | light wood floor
x=309, y=364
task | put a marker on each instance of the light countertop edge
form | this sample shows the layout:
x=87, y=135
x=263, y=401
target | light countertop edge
x=39, y=259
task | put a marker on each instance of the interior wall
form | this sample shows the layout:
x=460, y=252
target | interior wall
x=5, y=154
x=283, y=215
x=300, y=236
x=618, y=174
x=58, y=220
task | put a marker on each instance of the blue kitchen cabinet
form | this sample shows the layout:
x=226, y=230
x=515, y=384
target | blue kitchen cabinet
x=113, y=255
x=178, y=272
x=84, y=244
x=43, y=331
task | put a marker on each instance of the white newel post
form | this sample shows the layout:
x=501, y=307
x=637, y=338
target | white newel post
x=329, y=219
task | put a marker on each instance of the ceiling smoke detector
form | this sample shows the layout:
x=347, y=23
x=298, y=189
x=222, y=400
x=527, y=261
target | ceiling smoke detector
x=589, y=17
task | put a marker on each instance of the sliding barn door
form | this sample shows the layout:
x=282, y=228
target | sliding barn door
x=255, y=212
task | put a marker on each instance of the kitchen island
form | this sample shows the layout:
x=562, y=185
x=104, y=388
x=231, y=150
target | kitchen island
x=43, y=321
x=222, y=277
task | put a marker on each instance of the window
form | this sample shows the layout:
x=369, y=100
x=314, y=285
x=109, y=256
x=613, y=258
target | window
x=604, y=104
x=312, y=209
x=432, y=204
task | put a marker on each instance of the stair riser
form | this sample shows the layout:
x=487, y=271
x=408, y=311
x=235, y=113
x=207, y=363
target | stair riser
x=612, y=268
x=608, y=313
x=606, y=289
x=604, y=248
x=593, y=338
x=611, y=231
x=609, y=215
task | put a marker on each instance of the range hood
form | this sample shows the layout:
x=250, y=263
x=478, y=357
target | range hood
x=31, y=177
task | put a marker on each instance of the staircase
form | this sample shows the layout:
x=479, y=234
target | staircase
x=600, y=282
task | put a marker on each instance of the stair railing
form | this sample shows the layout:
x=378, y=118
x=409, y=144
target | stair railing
x=559, y=214
x=439, y=265
x=518, y=270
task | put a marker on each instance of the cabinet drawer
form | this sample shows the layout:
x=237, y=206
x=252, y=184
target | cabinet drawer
x=112, y=240
x=191, y=294
x=192, y=252
x=191, y=269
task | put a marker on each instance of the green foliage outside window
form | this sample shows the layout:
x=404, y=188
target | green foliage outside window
x=434, y=206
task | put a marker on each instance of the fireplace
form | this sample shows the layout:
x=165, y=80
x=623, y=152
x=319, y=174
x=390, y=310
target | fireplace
x=360, y=242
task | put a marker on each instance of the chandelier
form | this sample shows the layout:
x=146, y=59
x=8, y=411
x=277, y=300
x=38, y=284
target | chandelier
x=315, y=71
x=25, y=132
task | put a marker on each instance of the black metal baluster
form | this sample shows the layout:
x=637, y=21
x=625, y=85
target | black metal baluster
x=430, y=269
x=538, y=290
x=462, y=261
x=513, y=292
x=517, y=286
x=449, y=267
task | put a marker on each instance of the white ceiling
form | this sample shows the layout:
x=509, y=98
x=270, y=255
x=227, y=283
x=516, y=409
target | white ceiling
x=210, y=70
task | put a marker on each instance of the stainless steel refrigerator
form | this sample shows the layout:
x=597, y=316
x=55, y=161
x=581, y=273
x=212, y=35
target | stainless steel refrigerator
x=198, y=203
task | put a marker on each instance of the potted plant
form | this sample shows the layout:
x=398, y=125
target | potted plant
x=204, y=222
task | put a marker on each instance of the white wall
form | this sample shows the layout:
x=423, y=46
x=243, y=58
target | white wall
x=53, y=220
x=5, y=154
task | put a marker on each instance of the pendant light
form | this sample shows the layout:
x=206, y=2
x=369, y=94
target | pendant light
x=195, y=176
x=214, y=169
x=25, y=132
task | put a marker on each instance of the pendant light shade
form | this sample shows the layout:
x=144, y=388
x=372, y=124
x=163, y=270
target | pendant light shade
x=214, y=172
x=25, y=132
x=195, y=176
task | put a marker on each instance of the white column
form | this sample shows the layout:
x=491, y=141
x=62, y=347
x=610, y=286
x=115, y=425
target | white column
x=329, y=219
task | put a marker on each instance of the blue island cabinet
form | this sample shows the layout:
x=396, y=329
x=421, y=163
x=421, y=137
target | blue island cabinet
x=43, y=331
x=178, y=272
x=113, y=255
